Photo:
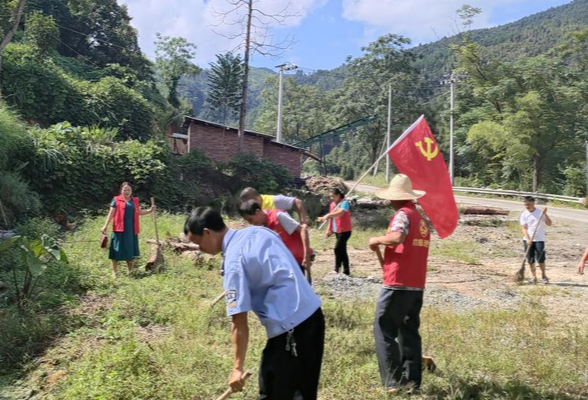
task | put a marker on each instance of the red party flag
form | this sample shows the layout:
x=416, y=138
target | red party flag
x=417, y=155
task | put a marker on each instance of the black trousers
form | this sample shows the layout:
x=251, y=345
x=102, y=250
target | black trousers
x=341, y=257
x=537, y=252
x=398, y=343
x=283, y=375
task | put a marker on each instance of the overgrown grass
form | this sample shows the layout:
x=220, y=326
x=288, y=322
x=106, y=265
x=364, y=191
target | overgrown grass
x=156, y=337
x=463, y=251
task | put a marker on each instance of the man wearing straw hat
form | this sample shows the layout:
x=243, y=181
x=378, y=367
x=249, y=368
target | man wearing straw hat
x=404, y=265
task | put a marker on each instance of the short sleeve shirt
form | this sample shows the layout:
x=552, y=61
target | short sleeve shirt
x=343, y=206
x=531, y=219
x=280, y=202
x=261, y=275
x=288, y=223
x=400, y=223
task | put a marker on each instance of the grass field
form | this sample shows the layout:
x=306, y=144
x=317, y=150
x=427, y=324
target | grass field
x=156, y=337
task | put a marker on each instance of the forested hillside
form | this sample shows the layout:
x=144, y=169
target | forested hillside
x=531, y=36
x=528, y=37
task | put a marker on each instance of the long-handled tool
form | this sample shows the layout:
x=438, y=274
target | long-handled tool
x=156, y=259
x=229, y=392
x=520, y=275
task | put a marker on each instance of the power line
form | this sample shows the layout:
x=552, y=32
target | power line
x=100, y=40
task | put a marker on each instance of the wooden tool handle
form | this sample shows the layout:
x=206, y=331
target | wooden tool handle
x=155, y=220
x=380, y=256
x=229, y=392
x=217, y=299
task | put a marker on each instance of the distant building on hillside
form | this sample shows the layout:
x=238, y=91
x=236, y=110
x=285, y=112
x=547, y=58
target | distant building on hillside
x=220, y=143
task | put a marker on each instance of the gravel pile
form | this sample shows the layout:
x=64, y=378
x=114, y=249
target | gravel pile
x=350, y=287
x=322, y=184
x=456, y=301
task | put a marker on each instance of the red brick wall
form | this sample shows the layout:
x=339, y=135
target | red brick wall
x=220, y=145
x=289, y=158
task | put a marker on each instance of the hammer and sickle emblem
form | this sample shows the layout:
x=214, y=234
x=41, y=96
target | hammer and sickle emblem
x=428, y=152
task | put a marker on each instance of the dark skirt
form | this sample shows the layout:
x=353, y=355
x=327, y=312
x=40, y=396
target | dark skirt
x=124, y=246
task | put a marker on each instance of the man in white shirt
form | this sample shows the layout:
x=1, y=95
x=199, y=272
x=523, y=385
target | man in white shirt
x=534, y=236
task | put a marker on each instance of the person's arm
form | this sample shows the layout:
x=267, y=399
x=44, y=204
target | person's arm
x=336, y=213
x=301, y=211
x=341, y=209
x=525, y=231
x=108, y=219
x=147, y=211
x=391, y=239
x=547, y=219
x=240, y=337
x=396, y=235
x=583, y=262
x=303, y=229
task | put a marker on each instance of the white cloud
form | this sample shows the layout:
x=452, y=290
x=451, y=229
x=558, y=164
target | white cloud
x=197, y=20
x=421, y=20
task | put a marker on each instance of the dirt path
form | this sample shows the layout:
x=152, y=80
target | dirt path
x=579, y=216
x=475, y=268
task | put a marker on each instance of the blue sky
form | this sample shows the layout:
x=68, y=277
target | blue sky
x=325, y=31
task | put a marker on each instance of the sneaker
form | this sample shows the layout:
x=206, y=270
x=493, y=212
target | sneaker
x=534, y=280
x=545, y=280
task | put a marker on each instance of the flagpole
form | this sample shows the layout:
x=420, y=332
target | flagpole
x=406, y=132
x=388, y=131
x=382, y=148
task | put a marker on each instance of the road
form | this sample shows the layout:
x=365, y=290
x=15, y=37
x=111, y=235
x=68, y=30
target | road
x=554, y=212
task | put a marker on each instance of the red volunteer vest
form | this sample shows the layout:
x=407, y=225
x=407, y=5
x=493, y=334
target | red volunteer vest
x=118, y=222
x=406, y=264
x=293, y=242
x=343, y=222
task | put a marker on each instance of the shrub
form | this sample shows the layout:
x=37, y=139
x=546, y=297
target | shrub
x=262, y=174
x=76, y=168
x=16, y=199
x=35, y=227
x=45, y=93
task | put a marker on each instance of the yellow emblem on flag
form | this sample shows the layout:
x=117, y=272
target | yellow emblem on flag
x=429, y=152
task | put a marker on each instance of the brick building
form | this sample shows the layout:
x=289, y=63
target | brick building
x=220, y=143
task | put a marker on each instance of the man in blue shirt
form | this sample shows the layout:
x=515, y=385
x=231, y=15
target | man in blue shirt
x=261, y=275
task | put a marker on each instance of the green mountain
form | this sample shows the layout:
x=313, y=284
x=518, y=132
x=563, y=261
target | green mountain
x=527, y=37
x=194, y=89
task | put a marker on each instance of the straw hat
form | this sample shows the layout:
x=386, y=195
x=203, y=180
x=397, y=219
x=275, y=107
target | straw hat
x=400, y=189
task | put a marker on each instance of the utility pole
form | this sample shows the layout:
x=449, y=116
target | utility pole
x=586, y=143
x=389, y=131
x=452, y=105
x=453, y=79
x=282, y=67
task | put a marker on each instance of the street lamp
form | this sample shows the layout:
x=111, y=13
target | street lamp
x=282, y=67
x=452, y=79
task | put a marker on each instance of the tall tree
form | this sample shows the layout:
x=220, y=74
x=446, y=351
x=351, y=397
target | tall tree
x=173, y=60
x=365, y=90
x=42, y=33
x=305, y=110
x=96, y=30
x=10, y=16
x=254, y=37
x=224, y=85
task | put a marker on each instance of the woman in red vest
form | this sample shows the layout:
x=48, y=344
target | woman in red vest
x=339, y=217
x=124, y=214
